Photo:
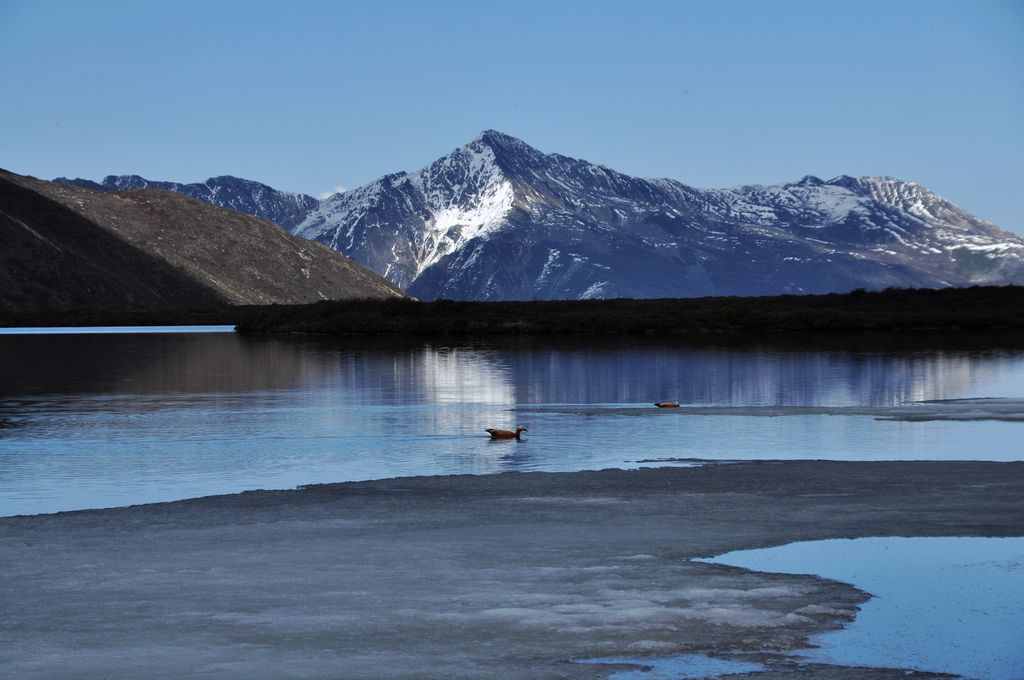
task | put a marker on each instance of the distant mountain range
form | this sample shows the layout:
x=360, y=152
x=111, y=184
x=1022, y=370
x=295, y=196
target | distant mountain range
x=286, y=208
x=66, y=247
x=498, y=219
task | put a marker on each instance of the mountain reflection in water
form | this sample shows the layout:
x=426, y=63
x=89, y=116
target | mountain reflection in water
x=100, y=420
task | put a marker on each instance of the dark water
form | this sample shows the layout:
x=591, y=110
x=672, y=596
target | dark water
x=106, y=420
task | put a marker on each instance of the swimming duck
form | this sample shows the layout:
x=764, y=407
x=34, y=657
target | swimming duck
x=667, y=404
x=506, y=434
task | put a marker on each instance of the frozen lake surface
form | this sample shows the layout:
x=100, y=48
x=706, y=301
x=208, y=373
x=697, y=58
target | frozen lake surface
x=680, y=667
x=102, y=420
x=952, y=605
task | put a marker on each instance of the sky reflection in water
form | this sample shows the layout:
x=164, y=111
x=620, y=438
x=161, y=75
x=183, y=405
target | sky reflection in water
x=952, y=605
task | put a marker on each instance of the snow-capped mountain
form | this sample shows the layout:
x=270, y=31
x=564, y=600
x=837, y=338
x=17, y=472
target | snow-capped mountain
x=286, y=208
x=498, y=219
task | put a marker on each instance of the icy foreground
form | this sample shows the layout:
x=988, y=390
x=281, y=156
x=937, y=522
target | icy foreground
x=498, y=219
x=509, y=576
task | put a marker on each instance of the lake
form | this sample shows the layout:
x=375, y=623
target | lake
x=108, y=419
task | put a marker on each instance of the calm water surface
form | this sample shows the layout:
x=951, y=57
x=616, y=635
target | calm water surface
x=948, y=605
x=108, y=330
x=89, y=420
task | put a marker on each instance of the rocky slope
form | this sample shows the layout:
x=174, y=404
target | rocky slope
x=498, y=219
x=53, y=258
x=68, y=247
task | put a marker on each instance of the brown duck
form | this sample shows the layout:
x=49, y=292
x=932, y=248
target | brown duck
x=506, y=434
x=667, y=404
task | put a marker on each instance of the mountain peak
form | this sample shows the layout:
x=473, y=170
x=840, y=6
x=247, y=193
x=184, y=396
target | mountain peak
x=810, y=180
x=497, y=136
x=227, y=179
x=122, y=181
x=501, y=143
x=498, y=219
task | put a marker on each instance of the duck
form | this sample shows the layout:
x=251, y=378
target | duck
x=667, y=404
x=506, y=434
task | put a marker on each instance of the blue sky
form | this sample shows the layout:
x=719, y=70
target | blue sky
x=307, y=96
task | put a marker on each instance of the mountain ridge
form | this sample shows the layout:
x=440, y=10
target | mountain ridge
x=286, y=208
x=498, y=219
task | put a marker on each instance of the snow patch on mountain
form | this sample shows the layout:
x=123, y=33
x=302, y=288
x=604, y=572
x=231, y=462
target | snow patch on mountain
x=472, y=206
x=453, y=226
x=425, y=215
x=594, y=291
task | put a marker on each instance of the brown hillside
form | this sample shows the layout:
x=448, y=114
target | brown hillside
x=242, y=259
x=54, y=259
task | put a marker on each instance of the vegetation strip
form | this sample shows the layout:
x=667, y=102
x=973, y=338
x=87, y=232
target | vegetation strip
x=976, y=308
x=987, y=309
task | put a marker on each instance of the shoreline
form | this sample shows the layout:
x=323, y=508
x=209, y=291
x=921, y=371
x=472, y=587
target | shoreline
x=509, y=574
x=665, y=463
x=896, y=312
x=893, y=310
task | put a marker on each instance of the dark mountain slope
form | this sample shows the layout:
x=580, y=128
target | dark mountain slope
x=54, y=259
